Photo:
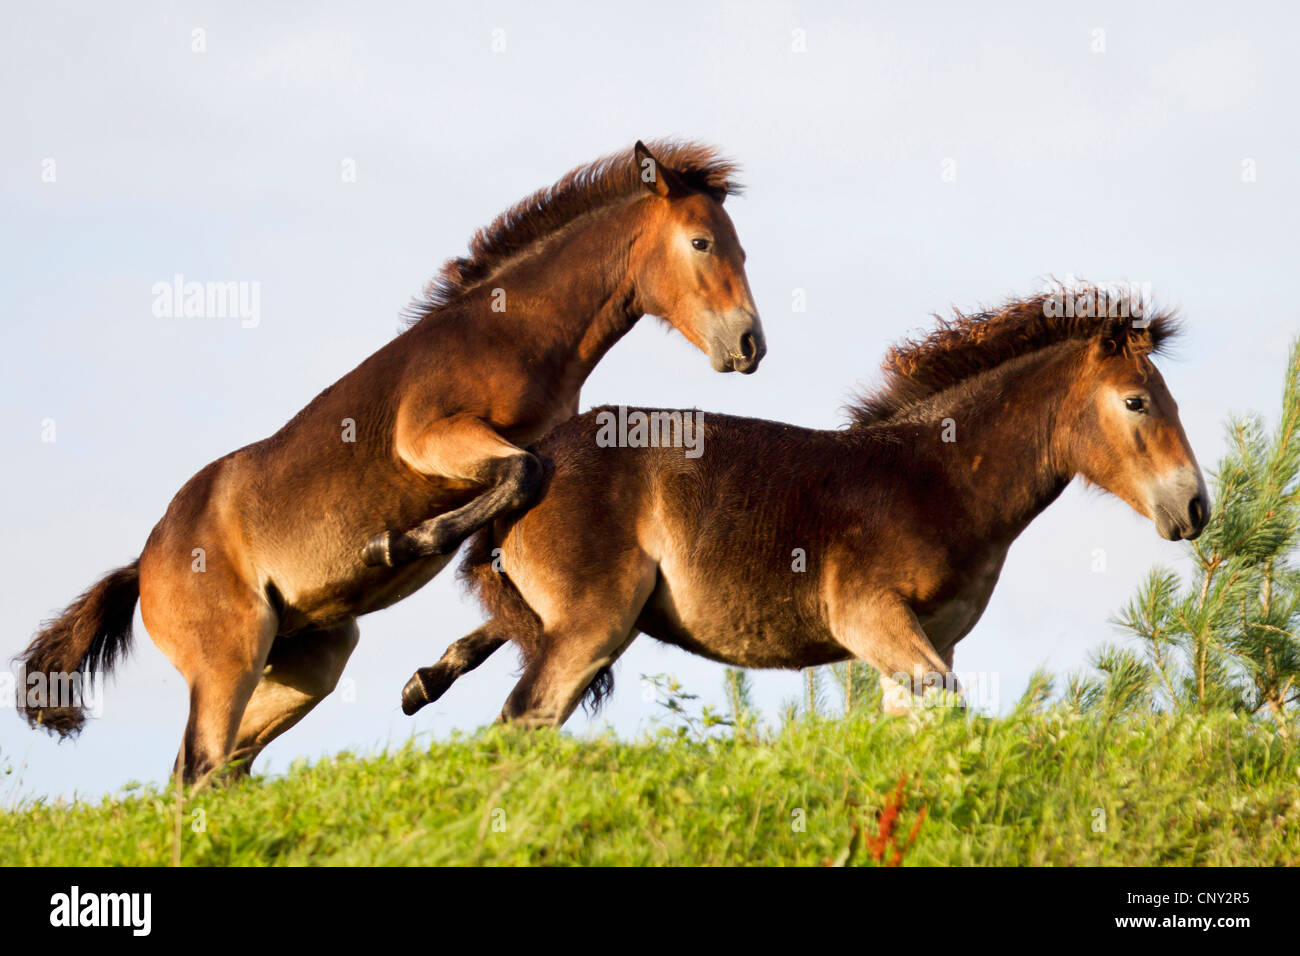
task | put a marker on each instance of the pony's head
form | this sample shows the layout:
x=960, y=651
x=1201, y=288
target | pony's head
x=687, y=263
x=1127, y=437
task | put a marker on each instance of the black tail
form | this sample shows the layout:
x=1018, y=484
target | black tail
x=483, y=576
x=86, y=639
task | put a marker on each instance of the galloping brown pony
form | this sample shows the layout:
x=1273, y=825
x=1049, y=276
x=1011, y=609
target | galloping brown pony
x=902, y=520
x=252, y=582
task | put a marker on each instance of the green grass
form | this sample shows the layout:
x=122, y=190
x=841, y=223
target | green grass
x=1032, y=788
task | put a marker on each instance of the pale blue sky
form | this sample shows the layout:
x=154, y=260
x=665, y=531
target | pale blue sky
x=225, y=165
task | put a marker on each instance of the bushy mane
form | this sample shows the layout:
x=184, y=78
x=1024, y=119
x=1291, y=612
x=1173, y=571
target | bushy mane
x=580, y=191
x=966, y=345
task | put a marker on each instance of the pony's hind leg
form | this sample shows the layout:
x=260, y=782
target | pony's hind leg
x=430, y=683
x=217, y=633
x=302, y=669
x=220, y=689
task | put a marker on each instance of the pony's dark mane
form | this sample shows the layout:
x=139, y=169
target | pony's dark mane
x=582, y=190
x=966, y=345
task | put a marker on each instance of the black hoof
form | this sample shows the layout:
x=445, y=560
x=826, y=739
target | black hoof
x=425, y=686
x=414, y=696
x=378, y=552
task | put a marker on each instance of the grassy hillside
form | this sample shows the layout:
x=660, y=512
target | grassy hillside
x=1052, y=787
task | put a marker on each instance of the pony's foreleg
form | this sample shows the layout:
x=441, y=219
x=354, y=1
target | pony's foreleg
x=553, y=685
x=430, y=683
x=468, y=449
x=885, y=633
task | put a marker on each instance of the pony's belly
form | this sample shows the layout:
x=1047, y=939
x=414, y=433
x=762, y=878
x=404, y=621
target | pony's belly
x=363, y=591
x=313, y=560
x=725, y=627
x=766, y=649
x=402, y=582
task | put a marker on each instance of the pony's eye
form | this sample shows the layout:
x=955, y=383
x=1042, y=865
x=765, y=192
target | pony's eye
x=1135, y=404
x=700, y=245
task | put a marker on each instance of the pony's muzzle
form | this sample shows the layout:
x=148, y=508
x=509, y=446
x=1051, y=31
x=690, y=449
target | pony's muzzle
x=739, y=344
x=1181, y=506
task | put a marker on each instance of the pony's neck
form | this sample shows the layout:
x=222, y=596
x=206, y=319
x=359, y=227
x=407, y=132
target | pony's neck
x=574, y=291
x=1006, y=455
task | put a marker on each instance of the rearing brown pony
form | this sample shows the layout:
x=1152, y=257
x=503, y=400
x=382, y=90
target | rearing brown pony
x=904, y=518
x=252, y=582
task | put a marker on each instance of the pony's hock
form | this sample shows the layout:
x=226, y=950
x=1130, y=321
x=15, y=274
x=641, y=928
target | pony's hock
x=494, y=356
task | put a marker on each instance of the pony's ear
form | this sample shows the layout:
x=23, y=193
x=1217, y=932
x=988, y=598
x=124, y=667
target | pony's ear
x=655, y=177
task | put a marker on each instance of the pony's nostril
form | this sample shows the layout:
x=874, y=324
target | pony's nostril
x=1196, y=511
x=748, y=346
